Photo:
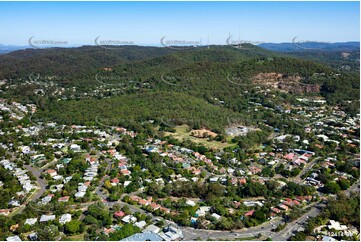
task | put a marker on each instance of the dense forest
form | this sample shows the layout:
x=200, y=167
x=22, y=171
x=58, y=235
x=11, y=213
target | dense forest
x=199, y=86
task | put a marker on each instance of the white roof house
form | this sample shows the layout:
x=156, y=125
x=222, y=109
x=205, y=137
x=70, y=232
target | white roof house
x=336, y=225
x=190, y=203
x=140, y=224
x=129, y=218
x=75, y=147
x=79, y=194
x=46, y=199
x=31, y=221
x=28, y=187
x=152, y=228
x=216, y=216
x=65, y=218
x=45, y=218
x=213, y=179
x=13, y=238
x=82, y=188
x=58, y=177
x=203, y=210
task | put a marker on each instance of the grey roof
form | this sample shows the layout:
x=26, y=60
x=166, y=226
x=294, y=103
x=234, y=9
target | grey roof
x=147, y=236
x=13, y=238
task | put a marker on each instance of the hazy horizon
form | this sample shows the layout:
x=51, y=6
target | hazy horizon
x=146, y=23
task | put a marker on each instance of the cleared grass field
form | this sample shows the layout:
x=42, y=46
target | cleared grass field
x=77, y=237
x=183, y=133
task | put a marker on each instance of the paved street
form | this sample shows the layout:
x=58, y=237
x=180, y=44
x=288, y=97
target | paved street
x=41, y=182
x=297, y=224
x=203, y=234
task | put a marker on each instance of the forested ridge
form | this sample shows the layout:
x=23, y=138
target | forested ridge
x=198, y=86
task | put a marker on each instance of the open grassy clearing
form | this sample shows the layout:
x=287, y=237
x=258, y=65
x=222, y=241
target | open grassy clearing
x=183, y=133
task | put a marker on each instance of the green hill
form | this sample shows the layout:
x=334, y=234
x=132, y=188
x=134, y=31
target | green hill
x=206, y=83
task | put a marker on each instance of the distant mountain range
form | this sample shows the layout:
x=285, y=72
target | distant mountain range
x=296, y=45
x=8, y=48
x=311, y=46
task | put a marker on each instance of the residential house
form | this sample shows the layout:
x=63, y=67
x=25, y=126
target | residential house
x=154, y=206
x=114, y=181
x=46, y=199
x=79, y=194
x=13, y=238
x=283, y=207
x=31, y=221
x=336, y=226
x=65, y=218
x=249, y=213
x=46, y=218
x=144, y=236
x=52, y=172
x=190, y=203
x=275, y=210
x=152, y=228
x=172, y=233
x=75, y=147
x=140, y=224
x=129, y=219
x=64, y=199
x=143, y=202
x=202, y=211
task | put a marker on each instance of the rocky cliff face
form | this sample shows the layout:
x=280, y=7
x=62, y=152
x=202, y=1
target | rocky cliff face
x=285, y=83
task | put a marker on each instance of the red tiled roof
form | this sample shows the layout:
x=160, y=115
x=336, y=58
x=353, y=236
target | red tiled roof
x=119, y=214
x=249, y=213
x=154, y=206
x=289, y=156
x=276, y=210
x=66, y=198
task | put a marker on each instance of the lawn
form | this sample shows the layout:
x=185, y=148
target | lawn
x=182, y=133
x=77, y=237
